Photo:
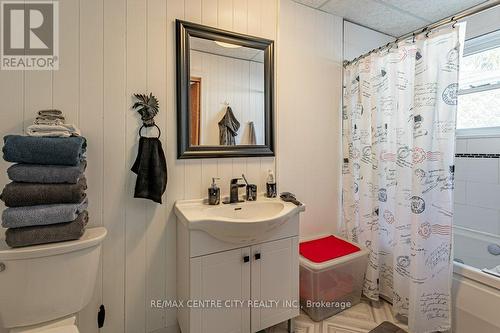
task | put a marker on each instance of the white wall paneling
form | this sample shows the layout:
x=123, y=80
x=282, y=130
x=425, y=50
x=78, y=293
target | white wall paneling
x=359, y=40
x=110, y=49
x=309, y=132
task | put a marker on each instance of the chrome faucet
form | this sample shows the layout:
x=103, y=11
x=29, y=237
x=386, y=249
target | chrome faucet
x=233, y=191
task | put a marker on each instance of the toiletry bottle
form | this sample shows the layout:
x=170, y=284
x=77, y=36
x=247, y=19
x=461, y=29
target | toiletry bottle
x=271, y=185
x=214, y=193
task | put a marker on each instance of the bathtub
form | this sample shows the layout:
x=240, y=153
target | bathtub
x=476, y=294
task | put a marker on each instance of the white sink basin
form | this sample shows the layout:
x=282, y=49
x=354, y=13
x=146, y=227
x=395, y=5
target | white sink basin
x=236, y=223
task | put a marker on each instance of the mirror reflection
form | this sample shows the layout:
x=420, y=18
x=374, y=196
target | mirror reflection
x=226, y=94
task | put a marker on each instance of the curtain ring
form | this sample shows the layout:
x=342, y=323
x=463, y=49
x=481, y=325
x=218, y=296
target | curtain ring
x=427, y=34
x=454, y=23
x=143, y=125
x=413, y=37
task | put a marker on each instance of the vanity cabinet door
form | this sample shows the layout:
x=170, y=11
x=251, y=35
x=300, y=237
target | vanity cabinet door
x=221, y=276
x=275, y=277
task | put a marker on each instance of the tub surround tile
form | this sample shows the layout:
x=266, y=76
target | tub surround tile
x=483, y=195
x=459, y=193
x=461, y=146
x=483, y=170
x=477, y=218
x=471, y=155
x=483, y=145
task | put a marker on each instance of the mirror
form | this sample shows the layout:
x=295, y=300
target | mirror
x=225, y=93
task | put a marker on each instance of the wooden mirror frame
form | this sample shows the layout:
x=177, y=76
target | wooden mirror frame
x=185, y=30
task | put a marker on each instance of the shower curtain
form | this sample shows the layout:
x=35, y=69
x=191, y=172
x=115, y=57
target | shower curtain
x=399, y=143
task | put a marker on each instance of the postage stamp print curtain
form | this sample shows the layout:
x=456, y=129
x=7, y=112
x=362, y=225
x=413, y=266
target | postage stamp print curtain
x=399, y=121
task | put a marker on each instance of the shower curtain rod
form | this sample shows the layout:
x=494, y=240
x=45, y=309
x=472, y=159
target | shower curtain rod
x=449, y=20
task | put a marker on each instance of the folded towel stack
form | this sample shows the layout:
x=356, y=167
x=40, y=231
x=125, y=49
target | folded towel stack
x=46, y=200
x=51, y=123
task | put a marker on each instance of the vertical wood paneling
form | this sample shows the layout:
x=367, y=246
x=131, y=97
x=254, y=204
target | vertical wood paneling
x=240, y=9
x=208, y=171
x=135, y=211
x=91, y=99
x=176, y=169
x=37, y=94
x=225, y=14
x=269, y=18
x=156, y=215
x=11, y=116
x=192, y=181
x=110, y=49
x=254, y=15
x=114, y=163
x=209, y=12
x=193, y=9
x=66, y=79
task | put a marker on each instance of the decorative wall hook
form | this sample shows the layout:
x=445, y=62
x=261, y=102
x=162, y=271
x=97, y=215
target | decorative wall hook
x=147, y=106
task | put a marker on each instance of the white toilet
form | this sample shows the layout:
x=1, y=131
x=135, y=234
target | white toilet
x=43, y=287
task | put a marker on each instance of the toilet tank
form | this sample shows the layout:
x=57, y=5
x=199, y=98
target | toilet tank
x=46, y=282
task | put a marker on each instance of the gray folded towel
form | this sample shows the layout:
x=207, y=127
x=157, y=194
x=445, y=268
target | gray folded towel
x=44, y=234
x=31, y=194
x=44, y=150
x=16, y=217
x=50, y=112
x=47, y=174
x=49, y=117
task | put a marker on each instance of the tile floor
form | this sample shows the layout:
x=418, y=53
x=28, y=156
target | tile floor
x=361, y=318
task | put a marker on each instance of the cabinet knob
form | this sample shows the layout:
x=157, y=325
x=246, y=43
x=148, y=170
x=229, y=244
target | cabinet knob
x=246, y=258
x=257, y=256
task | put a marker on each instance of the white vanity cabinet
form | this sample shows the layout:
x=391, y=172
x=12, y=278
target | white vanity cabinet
x=215, y=276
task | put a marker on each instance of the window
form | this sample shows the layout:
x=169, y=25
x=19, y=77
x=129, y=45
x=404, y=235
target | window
x=479, y=87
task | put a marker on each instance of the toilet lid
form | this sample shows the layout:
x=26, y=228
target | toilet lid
x=91, y=237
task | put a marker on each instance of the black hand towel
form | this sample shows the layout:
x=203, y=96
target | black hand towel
x=151, y=169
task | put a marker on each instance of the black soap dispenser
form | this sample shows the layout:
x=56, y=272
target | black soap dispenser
x=271, y=189
x=214, y=193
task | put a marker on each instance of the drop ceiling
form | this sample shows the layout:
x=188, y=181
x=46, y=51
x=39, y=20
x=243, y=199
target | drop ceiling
x=242, y=53
x=392, y=17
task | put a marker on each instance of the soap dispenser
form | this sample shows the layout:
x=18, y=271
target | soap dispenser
x=214, y=193
x=271, y=190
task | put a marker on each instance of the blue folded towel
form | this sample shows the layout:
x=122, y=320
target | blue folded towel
x=16, y=217
x=46, y=174
x=44, y=150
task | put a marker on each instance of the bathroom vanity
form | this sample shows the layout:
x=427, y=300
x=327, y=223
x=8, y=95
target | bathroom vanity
x=237, y=265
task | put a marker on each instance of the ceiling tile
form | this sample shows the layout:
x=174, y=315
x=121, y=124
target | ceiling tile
x=432, y=10
x=375, y=15
x=312, y=3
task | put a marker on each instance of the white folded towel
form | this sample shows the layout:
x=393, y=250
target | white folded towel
x=63, y=130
